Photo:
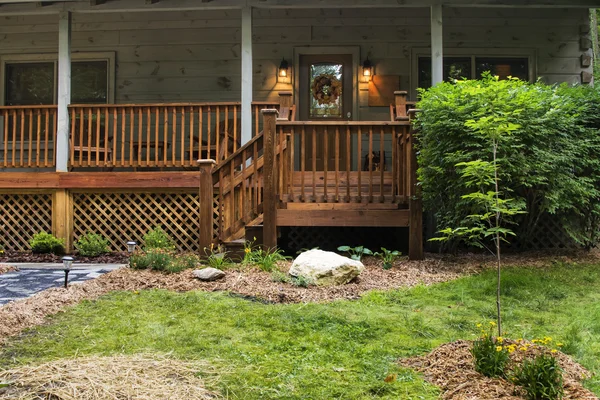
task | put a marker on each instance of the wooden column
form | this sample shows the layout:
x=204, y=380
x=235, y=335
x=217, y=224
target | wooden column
x=64, y=91
x=400, y=102
x=285, y=105
x=270, y=180
x=246, y=121
x=62, y=217
x=206, y=204
x=437, y=45
x=415, y=240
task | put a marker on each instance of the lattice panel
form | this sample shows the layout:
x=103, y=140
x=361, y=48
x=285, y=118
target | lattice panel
x=21, y=216
x=547, y=235
x=128, y=216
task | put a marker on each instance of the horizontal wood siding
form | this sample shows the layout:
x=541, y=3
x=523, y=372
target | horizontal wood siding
x=195, y=55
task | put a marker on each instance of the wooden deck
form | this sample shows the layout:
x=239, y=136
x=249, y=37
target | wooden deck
x=290, y=173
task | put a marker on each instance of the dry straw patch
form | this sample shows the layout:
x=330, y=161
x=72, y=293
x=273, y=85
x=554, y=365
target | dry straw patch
x=136, y=377
x=451, y=368
x=7, y=268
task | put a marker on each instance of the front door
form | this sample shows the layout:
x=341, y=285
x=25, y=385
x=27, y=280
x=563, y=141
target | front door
x=325, y=85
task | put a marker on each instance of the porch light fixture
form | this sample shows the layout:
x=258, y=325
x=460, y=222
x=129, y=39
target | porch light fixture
x=67, y=264
x=367, y=70
x=283, y=72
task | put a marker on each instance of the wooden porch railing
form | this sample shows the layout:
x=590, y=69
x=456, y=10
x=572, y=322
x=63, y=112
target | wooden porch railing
x=27, y=136
x=155, y=135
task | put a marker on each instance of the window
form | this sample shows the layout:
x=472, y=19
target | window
x=472, y=67
x=32, y=80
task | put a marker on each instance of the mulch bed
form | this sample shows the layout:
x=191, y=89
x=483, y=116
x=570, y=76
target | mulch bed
x=450, y=367
x=29, y=257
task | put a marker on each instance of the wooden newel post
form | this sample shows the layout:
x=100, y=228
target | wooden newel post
x=400, y=102
x=285, y=105
x=62, y=217
x=415, y=240
x=206, y=204
x=270, y=180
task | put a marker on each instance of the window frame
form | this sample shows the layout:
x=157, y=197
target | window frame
x=472, y=53
x=108, y=56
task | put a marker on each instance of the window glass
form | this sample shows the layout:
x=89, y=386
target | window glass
x=325, y=90
x=29, y=83
x=503, y=67
x=89, y=82
x=454, y=68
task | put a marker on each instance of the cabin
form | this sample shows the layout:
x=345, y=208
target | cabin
x=225, y=119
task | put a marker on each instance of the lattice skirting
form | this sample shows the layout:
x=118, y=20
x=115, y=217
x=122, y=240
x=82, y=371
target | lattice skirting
x=120, y=217
x=21, y=216
x=547, y=235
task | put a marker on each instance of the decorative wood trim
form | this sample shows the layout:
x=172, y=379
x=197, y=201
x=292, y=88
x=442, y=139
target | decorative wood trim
x=373, y=218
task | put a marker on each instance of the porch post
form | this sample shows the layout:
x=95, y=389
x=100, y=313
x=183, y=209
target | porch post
x=246, y=122
x=206, y=205
x=437, y=45
x=270, y=180
x=64, y=91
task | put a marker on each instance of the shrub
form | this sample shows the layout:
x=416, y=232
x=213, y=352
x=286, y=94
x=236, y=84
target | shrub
x=157, y=238
x=139, y=260
x=266, y=260
x=548, y=162
x=541, y=378
x=216, y=257
x=156, y=259
x=490, y=355
x=92, y=245
x=182, y=262
x=43, y=242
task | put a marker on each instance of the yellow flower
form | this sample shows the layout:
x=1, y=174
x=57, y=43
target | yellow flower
x=553, y=351
x=523, y=348
x=247, y=250
x=498, y=348
x=499, y=339
x=479, y=325
x=492, y=323
x=559, y=344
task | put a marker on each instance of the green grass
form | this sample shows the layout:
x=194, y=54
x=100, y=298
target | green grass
x=337, y=350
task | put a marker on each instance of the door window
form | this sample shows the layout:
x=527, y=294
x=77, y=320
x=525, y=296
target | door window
x=325, y=96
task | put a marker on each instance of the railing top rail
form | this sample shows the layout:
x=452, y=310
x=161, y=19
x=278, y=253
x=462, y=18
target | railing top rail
x=343, y=123
x=30, y=107
x=190, y=104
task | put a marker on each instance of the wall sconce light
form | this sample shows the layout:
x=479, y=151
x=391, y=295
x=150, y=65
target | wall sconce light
x=283, y=72
x=367, y=70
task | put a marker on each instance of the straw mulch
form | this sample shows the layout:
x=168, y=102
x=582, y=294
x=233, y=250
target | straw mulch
x=136, y=377
x=451, y=368
x=7, y=268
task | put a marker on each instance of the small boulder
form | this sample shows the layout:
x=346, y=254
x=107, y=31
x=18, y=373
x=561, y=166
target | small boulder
x=209, y=274
x=325, y=267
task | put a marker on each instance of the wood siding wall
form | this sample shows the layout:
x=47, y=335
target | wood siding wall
x=195, y=56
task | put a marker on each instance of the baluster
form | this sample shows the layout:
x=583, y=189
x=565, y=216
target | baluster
x=22, y=142
x=348, y=161
x=89, y=136
x=359, y=167
x=337, y=163
x=290, y=162
x=325, y=162
x=302, y=163
x=30, y=138
x=314, y=163
x=370, y=164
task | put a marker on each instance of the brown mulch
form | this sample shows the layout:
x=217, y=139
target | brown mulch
x=138, y=377
x=29, y=257
x=450, y=367
x=7, y=268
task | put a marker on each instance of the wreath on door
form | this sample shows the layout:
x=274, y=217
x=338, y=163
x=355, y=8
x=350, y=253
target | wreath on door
x=326, y=88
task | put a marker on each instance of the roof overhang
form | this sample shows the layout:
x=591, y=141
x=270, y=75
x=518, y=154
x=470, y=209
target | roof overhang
x=44, y=7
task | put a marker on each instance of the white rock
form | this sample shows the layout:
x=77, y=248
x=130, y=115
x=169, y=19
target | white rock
x=209, y=274
x=325, y=267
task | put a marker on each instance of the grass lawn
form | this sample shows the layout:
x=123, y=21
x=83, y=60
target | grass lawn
x=343, y=349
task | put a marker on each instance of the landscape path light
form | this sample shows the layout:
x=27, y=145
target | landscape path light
x=67, y=264
x=130, y=249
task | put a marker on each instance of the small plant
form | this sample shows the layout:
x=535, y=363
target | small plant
x=182, y=262
x=157, y=238
x=490, y=354
x=157, y=259
x=356, y=253
x=43, y=242
x=216, y=257
x=139, y=260
x=265, y=259
x=541, y=378
x=388, y=257
x=92, y=245
x=281, y=277
x=301, y=281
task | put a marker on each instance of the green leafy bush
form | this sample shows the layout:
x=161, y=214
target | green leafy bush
x=548, y=162
x=156, y=259
x=182, y=262
x=541, y=378
x=387, y=257
x=157, y=238
x=43, y=242
x=489, y=354
x=92, y=245
x=356, y=253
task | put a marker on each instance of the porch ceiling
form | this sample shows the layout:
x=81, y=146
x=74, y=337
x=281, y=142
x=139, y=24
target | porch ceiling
x=43, y=7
